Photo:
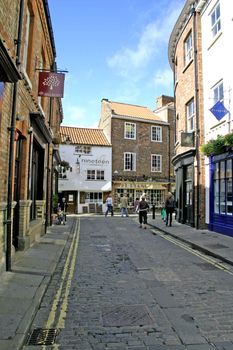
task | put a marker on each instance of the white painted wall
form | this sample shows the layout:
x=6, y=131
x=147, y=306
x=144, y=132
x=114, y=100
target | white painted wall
x=100, y=158
x=217, y=65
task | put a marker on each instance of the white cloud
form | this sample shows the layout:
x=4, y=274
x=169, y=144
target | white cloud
x=74, y=115
x=153, y=38
x=163, y=78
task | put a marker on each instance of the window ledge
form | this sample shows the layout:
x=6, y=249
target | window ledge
x=214, y=40
x=187, y=65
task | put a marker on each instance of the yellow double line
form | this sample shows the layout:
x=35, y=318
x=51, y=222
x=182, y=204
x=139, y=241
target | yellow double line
x=185, y=246
x=57, y=315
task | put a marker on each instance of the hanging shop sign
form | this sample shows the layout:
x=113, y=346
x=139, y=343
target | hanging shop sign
x=51, y=84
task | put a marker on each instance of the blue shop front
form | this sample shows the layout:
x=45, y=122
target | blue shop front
x=221, y=208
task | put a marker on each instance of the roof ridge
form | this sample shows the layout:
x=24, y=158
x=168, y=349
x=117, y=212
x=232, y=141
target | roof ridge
x=129, y=104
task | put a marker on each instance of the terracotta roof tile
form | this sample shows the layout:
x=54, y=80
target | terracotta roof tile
x=133, y=111
x=83, y=136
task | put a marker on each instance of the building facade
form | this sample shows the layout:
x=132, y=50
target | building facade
x=142, y=146
x=85, y=177
x=217, y=27
x=185, y=56
x=29, y=125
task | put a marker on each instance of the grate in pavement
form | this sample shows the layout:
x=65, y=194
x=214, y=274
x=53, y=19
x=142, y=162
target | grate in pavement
x=42, y=336
x=126, y=315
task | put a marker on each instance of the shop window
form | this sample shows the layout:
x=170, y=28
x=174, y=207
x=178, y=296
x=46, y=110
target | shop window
x=93, y=197
x=222, y=187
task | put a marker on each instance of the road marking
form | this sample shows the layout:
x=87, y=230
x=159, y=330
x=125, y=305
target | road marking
x=185, y=246
x=67, y=274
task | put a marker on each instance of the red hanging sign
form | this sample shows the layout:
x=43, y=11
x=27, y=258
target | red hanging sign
x=51, y=84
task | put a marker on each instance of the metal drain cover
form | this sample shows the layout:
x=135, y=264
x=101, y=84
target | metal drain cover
x=42, y=336
x=126, y=315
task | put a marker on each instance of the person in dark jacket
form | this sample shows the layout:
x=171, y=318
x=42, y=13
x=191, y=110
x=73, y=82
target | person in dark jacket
x=143, y=207
x=169, y=206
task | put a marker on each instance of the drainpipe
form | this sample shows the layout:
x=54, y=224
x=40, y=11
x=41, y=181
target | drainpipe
x=197, y=138
x=11, y=147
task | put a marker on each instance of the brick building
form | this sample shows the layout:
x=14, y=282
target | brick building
x=29, y=125
x=185, y=56
x=142, y=147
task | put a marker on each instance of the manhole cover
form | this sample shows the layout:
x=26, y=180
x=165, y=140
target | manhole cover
x=217, y=246
x=41, y=336
x=126, y=315
x=206, y=266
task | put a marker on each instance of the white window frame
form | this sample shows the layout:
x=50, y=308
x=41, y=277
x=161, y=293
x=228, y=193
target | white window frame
x=156, y=133
x=94, y=175
x=156, y=168
x=218, y=92
x=130, y=135
x=215, y=18
x=188, y=48
x=190, y=115
x=129, y=161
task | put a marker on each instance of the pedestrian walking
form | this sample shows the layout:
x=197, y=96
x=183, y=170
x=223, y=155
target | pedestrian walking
x=143, y=207
x=124, y=206
x=136, y=203
x=169, y=206
x=109, y=205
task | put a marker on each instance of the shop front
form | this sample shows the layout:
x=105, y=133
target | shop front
x=155, y=192
x=221, y=184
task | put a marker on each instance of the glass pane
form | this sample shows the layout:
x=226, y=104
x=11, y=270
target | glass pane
x=189, y=174
x=216, y=171
x=222, y=169
x=229, y=168
x=216, y=196
x=222, y=197
x=229, y=196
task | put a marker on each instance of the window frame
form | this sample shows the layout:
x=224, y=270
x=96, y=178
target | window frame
x=133, y=133
x=132, y=161
x=188, y=49
x=159, y=137
x=190, y=118
x=219, y=89
x=215, y=20
x=92, y=175
x=156, y=168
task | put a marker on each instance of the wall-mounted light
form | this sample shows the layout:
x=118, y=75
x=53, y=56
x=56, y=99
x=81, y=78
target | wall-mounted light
x=30, y=130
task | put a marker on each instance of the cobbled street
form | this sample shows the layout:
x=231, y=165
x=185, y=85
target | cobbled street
x=121, y=287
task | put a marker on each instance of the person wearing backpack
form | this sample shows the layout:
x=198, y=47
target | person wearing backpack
x=169, y=206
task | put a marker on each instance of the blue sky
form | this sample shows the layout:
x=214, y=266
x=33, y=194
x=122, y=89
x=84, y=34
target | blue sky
x=115, y=49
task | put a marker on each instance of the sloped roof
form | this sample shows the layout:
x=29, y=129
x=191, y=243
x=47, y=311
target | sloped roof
x=133, y=111
x=83, y=136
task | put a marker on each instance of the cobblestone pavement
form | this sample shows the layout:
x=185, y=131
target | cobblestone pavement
x=119, y=287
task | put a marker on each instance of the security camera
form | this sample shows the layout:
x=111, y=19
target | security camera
x=30, y=130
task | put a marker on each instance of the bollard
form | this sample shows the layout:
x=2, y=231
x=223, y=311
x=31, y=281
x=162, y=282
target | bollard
x=153, y=211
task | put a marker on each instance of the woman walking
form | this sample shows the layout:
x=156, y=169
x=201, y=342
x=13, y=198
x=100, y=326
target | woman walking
x=143, y=207
x=169, y=206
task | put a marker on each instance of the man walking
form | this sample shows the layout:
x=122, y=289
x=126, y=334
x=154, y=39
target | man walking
x=124, y=206
x=109, y=205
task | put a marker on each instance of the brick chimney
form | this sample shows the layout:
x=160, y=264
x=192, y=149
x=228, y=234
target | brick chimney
x=163, y=100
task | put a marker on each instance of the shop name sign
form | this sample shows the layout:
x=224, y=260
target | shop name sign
x=97, y=162
x=51, y=84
